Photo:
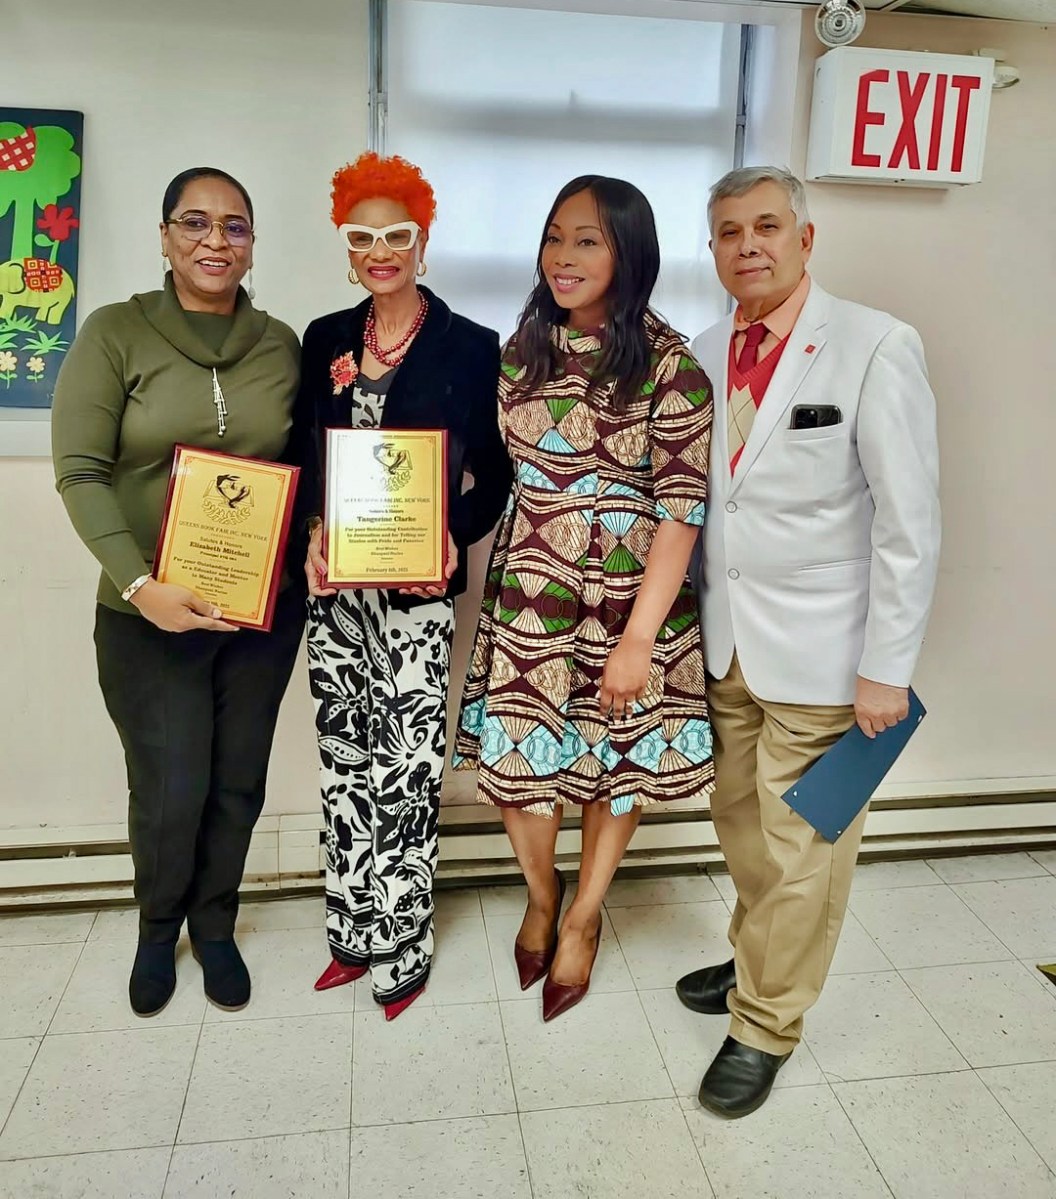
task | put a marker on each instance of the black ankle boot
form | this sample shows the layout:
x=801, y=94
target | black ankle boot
x=224, y=972
x=153, y=978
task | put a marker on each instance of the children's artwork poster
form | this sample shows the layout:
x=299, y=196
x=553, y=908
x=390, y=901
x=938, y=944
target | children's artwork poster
x=40, y=210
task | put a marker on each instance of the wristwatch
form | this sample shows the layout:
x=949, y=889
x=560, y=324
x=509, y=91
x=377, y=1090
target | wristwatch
x=133, y=587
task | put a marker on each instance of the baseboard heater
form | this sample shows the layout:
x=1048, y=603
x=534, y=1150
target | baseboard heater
x=91, y=865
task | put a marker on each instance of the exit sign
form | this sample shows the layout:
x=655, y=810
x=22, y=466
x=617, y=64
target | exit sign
x=893, y=116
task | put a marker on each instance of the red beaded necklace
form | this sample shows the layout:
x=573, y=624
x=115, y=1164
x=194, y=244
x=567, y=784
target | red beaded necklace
x=394, y=355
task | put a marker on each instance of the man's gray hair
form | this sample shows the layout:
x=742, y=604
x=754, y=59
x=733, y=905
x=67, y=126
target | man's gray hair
x=741, y=181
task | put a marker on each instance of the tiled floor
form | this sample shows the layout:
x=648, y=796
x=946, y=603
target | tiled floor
x=929, y=1068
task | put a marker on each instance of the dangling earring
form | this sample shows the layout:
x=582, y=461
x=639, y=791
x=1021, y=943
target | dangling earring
x=251, y=291
x=422, y=268
x=353, y=278
x=164, y=269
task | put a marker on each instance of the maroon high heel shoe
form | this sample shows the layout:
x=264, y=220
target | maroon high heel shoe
x=531, y=964
x=392, y=1010
x=559, y=997
x=337, y=974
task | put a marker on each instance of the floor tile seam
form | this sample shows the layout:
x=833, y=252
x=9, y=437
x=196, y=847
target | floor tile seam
x=66, y=987
x=273, y=1136
x=861, y=1140
x=229, y=1019
x=145, y=1024
x=954, y=965
x=22, y=1084
x=408, y=1123
x=836, y=1079
x=183, y=1104
x=42, y=944
x=560, y=1107
x=515, y=1111
x=348, y=1152
x=351, y=1088
x=697, y=1149
x=513, y=1084
x=1047, y=869
x=663, y=903
x=1030, y=970
x=1042, y=872
x=659, y=1048
x=7, y=1159
x=835, y=1082
x=968, y=908
x=1023, y=1132
x=858, y=891
x=505, y=1111
x=220, y=1022
x=528, y=1164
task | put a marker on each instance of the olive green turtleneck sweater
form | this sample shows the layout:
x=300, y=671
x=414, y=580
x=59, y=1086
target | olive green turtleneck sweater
x=137, y=381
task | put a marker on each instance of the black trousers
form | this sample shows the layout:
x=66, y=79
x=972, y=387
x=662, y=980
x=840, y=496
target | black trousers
x=196, y=714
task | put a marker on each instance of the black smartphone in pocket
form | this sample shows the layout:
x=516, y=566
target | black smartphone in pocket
x=815, y=416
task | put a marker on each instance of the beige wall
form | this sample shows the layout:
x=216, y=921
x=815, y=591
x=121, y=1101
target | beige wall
x=278, y=100
x=972, y=268
x=281, y=105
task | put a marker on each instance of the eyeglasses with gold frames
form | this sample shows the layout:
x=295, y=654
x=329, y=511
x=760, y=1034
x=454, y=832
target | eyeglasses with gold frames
x=196, y=226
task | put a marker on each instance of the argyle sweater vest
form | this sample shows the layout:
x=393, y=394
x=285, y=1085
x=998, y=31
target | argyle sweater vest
x=745, y=392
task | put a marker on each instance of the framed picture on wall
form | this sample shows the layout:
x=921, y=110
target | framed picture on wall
x=40, y=206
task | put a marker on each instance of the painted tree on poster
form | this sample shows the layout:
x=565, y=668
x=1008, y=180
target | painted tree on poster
x=40, y=169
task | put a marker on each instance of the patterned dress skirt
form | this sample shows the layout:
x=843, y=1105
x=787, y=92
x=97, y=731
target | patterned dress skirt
x=593, y=485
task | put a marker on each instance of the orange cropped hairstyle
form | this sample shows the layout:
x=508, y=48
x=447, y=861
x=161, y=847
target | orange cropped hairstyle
x=371, y=177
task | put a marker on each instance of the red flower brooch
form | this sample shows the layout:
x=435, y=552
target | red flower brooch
x=343, y=371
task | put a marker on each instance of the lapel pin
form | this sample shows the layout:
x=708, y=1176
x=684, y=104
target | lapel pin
x=810, y=349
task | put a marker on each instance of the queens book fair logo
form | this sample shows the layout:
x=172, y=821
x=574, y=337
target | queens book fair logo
x=395, y=465
x=228, y=500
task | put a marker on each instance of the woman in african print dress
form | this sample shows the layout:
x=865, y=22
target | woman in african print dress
x=586, y=684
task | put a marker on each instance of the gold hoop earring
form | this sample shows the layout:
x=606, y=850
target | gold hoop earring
x=422, y=268
x=353, y=278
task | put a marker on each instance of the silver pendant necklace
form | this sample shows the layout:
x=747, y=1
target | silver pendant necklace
x=220, y=404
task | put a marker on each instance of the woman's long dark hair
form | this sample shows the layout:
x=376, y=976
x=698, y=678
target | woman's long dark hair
x=630, y=230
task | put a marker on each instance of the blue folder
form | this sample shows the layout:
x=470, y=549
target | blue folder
x=841, y=782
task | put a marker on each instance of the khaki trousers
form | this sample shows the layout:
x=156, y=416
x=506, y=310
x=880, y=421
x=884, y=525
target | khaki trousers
x=792, y=885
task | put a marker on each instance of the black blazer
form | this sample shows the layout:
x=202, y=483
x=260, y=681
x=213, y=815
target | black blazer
x=449, y=380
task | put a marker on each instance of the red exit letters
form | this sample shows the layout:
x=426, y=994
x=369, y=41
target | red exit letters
x=911, y=94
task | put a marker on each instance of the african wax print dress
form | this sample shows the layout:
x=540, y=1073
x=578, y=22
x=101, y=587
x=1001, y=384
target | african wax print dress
x=592, y=485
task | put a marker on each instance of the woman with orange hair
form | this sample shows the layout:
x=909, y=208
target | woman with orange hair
x=379, y=661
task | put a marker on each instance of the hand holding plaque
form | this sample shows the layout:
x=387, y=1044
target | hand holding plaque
x=386, y=507
x=225, y=529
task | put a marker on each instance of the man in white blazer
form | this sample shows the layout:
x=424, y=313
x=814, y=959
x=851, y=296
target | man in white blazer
x=819, y=560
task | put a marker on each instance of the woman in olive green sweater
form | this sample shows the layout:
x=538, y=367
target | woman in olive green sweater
x=194, y=699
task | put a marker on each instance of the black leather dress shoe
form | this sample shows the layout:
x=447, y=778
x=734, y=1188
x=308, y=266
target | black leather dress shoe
x=739, y=1079
x=224, y=972
x=153, y=978
x=706, y=990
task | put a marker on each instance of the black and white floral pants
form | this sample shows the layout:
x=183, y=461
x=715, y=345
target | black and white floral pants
x=379, y=678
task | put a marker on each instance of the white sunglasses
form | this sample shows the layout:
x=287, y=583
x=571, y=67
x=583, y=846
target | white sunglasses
x=363, y=238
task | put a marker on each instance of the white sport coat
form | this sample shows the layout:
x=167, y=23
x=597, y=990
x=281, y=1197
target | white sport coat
x=820, y=553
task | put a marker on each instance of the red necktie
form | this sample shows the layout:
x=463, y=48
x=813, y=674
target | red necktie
x=749, y=355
